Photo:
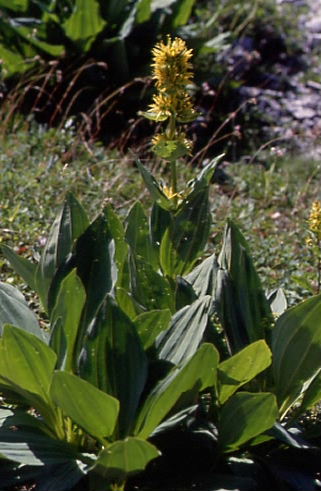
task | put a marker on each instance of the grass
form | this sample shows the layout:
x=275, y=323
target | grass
x=270, y=202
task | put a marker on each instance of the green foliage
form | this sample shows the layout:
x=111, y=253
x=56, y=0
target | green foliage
x=52, y=29
x=99, y=361
x=135, y=350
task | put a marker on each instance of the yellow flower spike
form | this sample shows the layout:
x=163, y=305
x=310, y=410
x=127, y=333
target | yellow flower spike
x=172, y=72
x=172, y=68
x=314, y=220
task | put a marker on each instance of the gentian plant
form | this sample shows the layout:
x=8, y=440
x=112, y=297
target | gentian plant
x=144, y=337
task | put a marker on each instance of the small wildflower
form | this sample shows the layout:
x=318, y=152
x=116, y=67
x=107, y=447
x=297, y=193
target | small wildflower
x=314, y=220
x=170, y=194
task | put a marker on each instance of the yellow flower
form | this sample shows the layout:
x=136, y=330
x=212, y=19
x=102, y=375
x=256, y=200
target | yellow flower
x=172, y=69
x=172, y=72
x=314, y=220
x=170, y=194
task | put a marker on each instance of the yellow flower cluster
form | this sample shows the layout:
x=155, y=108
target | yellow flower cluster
x=314, y=221
x=172, y=72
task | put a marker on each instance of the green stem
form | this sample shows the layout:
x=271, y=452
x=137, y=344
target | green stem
x=171, y=130
x=173, y=176
x=319, y=270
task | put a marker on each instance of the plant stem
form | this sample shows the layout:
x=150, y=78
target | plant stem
x=171, y=130
x=319, y=269
x=173, y=176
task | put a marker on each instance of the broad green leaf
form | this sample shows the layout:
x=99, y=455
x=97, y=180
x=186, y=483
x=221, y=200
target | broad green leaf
x=181, y=340
x=160, y=219
x=68, y=226
x=245, y=416
x=85, y=23
x=205, y=176
x=150, y=324
x=20, y=418
x=113, y=360
x=143, y=11
x=126, y=302
x=241, y=303
x=65, y=318
x=22, y=266
x=197, y=374
x=312, y=395
x=16, y=5
x=296, y=348
x=203, y=278
x=26, y=361
x=96, y=266
x=12, y=62
x=14, y=310
x=125, y=457
x=93, y=410
x=184, y=293
x=117, y=231
x=149, y=289
x=137, y=235
x=242, y=367
x=187, y=235
x=28, y=35
x=115, y=11
x=30, y=447
x=182, y=12
x=154, y=188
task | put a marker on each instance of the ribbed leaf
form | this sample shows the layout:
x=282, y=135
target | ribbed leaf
x=22, y=266
x=181, y=340
x=126, y=457
x=68, y=226
x=155, y=190
x=149, y=289
x=14, y=310
x=187, y=234
x=182, y=12
x=113, y=360
x=143, y=11
x=85, y=23
x=96, y=266
x=33, y=448
x=242, y=367
x=312, y=395
x=65, y=318
x=195, y=375
x=242, y=306
x=117, y=231
x=27, y=362
x=137, y=235
x=296, y=348
x=16, y=5
x=150, y=324
x=203, y=278
x=244, y=416
x=93, y=410
x=159, y=221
